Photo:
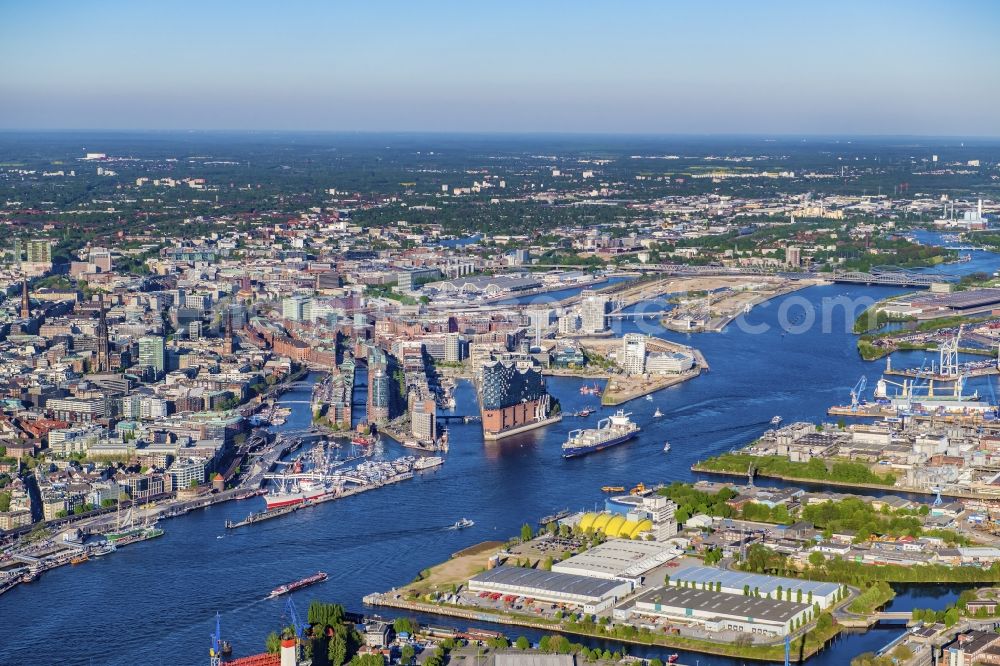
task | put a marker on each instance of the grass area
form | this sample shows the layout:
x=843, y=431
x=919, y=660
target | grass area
x=462, y=566
x=815, y=470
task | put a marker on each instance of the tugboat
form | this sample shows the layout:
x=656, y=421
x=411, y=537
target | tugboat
x=462, y=524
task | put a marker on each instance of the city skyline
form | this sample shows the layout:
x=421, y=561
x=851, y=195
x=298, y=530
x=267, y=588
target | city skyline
x=677, y=69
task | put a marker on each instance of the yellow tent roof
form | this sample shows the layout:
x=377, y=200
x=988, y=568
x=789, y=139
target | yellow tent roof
x=613, y=525
x=587, y=521
x=642, y=526
x=625, y=531
x=602, y=521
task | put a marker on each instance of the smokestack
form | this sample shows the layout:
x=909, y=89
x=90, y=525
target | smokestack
x=288, y=657
x=979, y=208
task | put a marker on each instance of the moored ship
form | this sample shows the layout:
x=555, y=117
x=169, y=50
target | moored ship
x=296, y=493
x=318, y=577
x=610, y=431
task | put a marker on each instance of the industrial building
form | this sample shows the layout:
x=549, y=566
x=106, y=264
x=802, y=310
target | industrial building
x=618, y=559
x=592, y=594
x=718, y=611
x=737, y=582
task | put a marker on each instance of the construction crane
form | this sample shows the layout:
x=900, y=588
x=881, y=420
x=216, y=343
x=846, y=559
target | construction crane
x=294, y=616
x=857, y=391
x=215, y=652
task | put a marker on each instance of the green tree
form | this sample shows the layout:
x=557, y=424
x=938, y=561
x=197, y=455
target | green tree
x=336, y=651
x=403, y=624
x=273, y=643
x=526, y=533
x=367, y=660
x=522, y=643
x=406, y=654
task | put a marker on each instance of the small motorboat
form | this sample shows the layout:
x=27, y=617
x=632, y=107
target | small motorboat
x=666, y=447
x=649, y=397
x=776, y=421
x=462, y=524
x=657, y=414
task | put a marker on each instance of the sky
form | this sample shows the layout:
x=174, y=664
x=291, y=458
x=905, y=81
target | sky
x=667, y=67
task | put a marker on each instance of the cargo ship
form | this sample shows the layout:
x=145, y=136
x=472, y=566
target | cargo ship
x=611, y=431
x=514, y=400
x=318, y=577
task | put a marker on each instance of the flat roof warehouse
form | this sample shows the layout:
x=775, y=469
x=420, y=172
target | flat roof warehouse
x=732, y=605
x=592, y=593
x=618, y=558
x=737, y=580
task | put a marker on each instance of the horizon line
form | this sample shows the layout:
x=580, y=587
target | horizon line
x=506, y=133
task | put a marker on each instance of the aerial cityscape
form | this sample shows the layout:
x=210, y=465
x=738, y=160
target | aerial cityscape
x=317, y=347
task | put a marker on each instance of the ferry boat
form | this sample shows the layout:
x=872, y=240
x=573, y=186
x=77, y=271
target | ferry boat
x=79, y=559
x=610, y=431
x=462, y=524
x=427, y=462
x=776, y=421
x=318, y=577
x=657, y=414
x=613, y=489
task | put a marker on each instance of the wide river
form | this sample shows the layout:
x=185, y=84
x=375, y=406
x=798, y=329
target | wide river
x=155, y=602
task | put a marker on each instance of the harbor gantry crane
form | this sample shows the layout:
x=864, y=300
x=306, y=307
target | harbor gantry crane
x=857, y=391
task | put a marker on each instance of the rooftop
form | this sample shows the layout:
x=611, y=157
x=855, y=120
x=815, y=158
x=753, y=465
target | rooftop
x=738, y=579
x=551, y=581
x=706, y=601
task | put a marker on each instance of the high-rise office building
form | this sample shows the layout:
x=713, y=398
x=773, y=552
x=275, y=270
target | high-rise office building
x=293, y=308
x=152, y=353
x=39, y=251
x=454, y=348
x=793, y=256
x=593, y=312
x=634, y=353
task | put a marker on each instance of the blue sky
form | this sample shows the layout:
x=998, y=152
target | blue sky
x=772, y=67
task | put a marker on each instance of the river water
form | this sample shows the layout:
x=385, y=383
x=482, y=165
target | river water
x=154, y=602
